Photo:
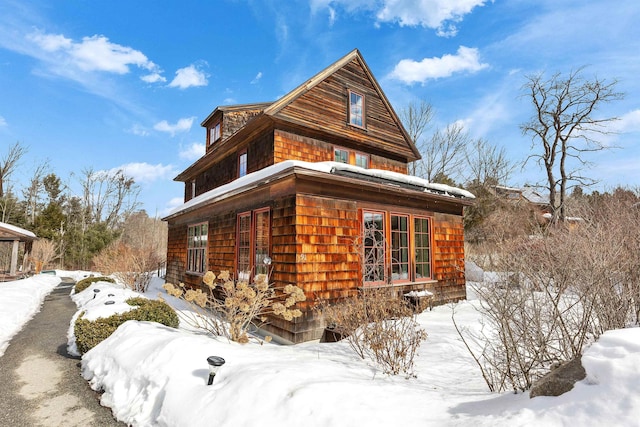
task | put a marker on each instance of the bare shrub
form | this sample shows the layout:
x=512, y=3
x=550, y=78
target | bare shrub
x=44, y=251
x=557, y=294
x=380, y=326
x=133, y=266
x=229, y=307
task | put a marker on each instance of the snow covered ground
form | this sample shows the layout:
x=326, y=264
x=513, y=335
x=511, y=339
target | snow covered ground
x=152, y=375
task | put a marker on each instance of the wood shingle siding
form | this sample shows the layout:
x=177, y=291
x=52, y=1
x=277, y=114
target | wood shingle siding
x=317, y=213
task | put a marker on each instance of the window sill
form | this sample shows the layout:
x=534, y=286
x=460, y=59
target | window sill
x=194, y=273
x=361, y=128
x=397, y=284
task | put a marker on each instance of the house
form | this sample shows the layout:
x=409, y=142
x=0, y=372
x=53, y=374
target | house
x=316, y=184
x=15, y=242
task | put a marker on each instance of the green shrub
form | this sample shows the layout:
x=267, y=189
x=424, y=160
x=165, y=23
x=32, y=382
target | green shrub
x=91, y=333
x=86, y=282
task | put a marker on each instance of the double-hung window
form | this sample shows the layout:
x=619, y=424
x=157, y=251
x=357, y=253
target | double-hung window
x=396, y=248
x=362, y=160
x=340, y=155
x=356, y=109
x=197, y=248
x=252, y=237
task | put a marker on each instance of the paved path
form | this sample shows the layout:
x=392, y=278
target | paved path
x=40, y=384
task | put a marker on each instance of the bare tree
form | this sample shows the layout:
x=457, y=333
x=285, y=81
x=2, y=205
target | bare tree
x=9, y=163
x=444, y=153
x=108, y=196
x=33, y=193
x=416, y=119
x=487, y=164
x=563, y=127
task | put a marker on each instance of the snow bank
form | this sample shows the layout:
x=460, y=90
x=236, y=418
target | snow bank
x=20, y=300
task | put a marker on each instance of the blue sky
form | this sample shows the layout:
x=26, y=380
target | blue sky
x=125, y=84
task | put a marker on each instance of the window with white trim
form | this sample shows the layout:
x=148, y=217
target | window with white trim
x=197, y=238
x=356, y=109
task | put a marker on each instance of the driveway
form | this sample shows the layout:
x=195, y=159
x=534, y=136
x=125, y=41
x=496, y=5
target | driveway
x=40, y=384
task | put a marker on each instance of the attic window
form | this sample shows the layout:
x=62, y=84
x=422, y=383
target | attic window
x=214, y=133
x=242, y=164
x=356, y=109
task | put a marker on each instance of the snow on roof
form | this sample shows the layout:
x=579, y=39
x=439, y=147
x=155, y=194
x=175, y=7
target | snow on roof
x=17, y=229
x=405, y=179
x=534, y=196
x=263, y=175
x=548, y=215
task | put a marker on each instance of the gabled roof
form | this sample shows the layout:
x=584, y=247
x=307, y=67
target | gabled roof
x=270, y=110
x=287, y=99
x=237, y=107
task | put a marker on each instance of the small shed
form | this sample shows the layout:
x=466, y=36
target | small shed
x=12, y=240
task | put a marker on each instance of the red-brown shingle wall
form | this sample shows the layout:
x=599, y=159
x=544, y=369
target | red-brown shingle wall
x=448, y=257
x=222, y=243
x=328, y=261
x=176, y=254
x=288, y=146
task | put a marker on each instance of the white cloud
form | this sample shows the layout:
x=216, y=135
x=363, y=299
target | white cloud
x=410, y=71
x=172, y=204
x=440, y=15
x=145, y=173
x=139, y=130
x=257, y=78
x=192, y=152
x=3, y=122
x=153, y=78
x=188, y=77
x=182, y=125
x=95, y=53
x=629, y=122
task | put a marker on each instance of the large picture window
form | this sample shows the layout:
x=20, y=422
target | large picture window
x=197, y=248
x=422, y=239
x=399, y=247
x=396, y=248
x=252, y=241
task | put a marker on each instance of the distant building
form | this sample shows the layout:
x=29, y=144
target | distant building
x=16, y=243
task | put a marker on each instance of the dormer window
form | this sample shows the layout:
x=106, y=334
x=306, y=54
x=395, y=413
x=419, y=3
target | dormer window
x=214, y=133
x=356, y=109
